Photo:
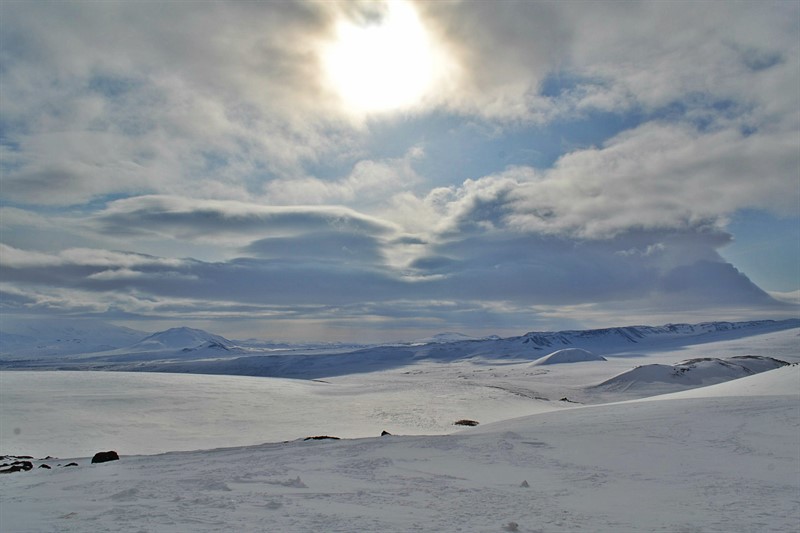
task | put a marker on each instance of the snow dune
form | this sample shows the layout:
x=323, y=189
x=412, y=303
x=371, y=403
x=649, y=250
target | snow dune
x=700, y=463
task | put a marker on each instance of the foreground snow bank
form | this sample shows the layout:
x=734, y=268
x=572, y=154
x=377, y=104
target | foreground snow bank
x=669, y=464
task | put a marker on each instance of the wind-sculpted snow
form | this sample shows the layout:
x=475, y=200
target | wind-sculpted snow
x=704, y=463
x=568, y=355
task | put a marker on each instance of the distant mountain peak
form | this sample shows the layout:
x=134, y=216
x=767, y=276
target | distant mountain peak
x=183, y=338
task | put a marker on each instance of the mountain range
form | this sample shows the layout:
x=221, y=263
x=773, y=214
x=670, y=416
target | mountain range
x=187, y=350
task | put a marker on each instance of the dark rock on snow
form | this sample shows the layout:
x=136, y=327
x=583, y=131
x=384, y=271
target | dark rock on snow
x=18, y=466
x=321, y=437
x=104, y=457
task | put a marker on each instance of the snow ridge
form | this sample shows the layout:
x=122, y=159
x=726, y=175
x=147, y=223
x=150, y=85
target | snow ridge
x=691, y=373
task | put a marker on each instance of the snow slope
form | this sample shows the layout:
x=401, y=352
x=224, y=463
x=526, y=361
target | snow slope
x=700, y=463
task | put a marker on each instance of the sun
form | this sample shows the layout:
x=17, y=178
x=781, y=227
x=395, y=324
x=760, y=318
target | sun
x=384, y=64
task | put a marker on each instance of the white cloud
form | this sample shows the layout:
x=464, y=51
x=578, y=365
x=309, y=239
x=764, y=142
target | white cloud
x=660, y=176
x=657, y=176
x=194, y=101
x=791, y=297
x=624, y=56
x=117, y=274
x=369, y=182
x=241, y=222
x=16, y=258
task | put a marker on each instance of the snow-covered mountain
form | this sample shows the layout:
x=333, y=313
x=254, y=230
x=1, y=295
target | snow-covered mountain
x=197, y=351
x=183, y=339
x=613, y=339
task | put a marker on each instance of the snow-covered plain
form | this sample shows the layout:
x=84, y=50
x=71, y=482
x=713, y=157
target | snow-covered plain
x=718, y=458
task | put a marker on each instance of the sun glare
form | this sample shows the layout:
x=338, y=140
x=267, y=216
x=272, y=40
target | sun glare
x=381, y=65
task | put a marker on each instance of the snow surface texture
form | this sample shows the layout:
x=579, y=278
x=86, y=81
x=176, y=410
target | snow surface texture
x=699, y=463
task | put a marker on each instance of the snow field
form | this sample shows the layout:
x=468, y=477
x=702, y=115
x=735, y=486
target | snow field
x=146, y=413
x=722, y=458
x=709, y=463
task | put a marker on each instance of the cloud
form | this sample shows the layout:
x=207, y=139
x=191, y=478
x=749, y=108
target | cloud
x=791, y=297
x=244, y=113
x=214, y=220
x=636, y=265
x=119, y=274
x=208, y=131
x=480, y=279
x=617, y=57
x=320, y=246
x=368, y=182
x=660, y=176
x=657, y=176
x=121, y=99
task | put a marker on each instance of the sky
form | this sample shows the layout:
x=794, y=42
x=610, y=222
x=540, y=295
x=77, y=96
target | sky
x=377, y=171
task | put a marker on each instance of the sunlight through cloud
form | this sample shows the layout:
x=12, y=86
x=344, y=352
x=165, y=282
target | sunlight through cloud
x=382, y=63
